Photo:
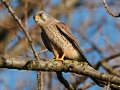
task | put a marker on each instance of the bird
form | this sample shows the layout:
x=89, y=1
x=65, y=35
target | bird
x=59, y=40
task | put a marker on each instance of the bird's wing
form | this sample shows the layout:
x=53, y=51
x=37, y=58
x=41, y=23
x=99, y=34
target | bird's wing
x=68, y=34
x=65, y=30
x=45, y=41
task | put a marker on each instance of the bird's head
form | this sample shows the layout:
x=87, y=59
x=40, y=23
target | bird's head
x=41, y=17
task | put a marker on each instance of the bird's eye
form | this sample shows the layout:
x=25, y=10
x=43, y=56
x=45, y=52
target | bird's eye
x=43, y=16
x=40, y=15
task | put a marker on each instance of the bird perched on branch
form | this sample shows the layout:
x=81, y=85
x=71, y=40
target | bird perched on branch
x=58, y=39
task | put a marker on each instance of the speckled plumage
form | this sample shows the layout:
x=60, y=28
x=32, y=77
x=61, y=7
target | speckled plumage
x=58, y=38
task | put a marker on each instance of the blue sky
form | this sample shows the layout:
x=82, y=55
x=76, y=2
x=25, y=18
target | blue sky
x=108, y=26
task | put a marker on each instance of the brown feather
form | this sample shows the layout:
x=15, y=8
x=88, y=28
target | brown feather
x=61, y=26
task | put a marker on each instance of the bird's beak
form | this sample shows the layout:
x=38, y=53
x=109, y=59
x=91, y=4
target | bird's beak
x=36, y=17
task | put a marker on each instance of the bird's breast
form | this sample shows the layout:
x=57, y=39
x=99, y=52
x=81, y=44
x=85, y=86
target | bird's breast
x=60, y=43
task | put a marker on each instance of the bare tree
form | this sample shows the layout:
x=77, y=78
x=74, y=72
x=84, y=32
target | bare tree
x=21, y=46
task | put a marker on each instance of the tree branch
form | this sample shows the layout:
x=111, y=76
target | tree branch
x=104, y=3
x=57, y=66
x=101, y=62
x=106, y=60
x=64, y=82
x=39, y=74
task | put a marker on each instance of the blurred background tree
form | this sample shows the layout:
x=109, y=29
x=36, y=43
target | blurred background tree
x=96, y=31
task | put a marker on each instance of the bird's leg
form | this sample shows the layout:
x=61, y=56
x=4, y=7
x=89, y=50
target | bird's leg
x=60, y=59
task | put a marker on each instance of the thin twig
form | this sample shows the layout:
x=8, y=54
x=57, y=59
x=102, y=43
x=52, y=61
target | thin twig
x=106, y=40
x=116, y=16
x=39, y=74
x=108, y=86
x=42, y=51
x=106, y=60
x=26, y=17
x=26, y=14
x=87, y=85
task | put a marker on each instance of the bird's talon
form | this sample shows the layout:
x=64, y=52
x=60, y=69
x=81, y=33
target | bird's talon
x=60, y=59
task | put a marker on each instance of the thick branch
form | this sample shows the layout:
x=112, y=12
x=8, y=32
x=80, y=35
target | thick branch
x=58, y=66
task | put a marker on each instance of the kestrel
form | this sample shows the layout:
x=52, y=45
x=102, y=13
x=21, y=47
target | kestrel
x=58, y=38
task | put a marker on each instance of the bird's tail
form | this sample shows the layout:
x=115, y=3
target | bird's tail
x=98, y=82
